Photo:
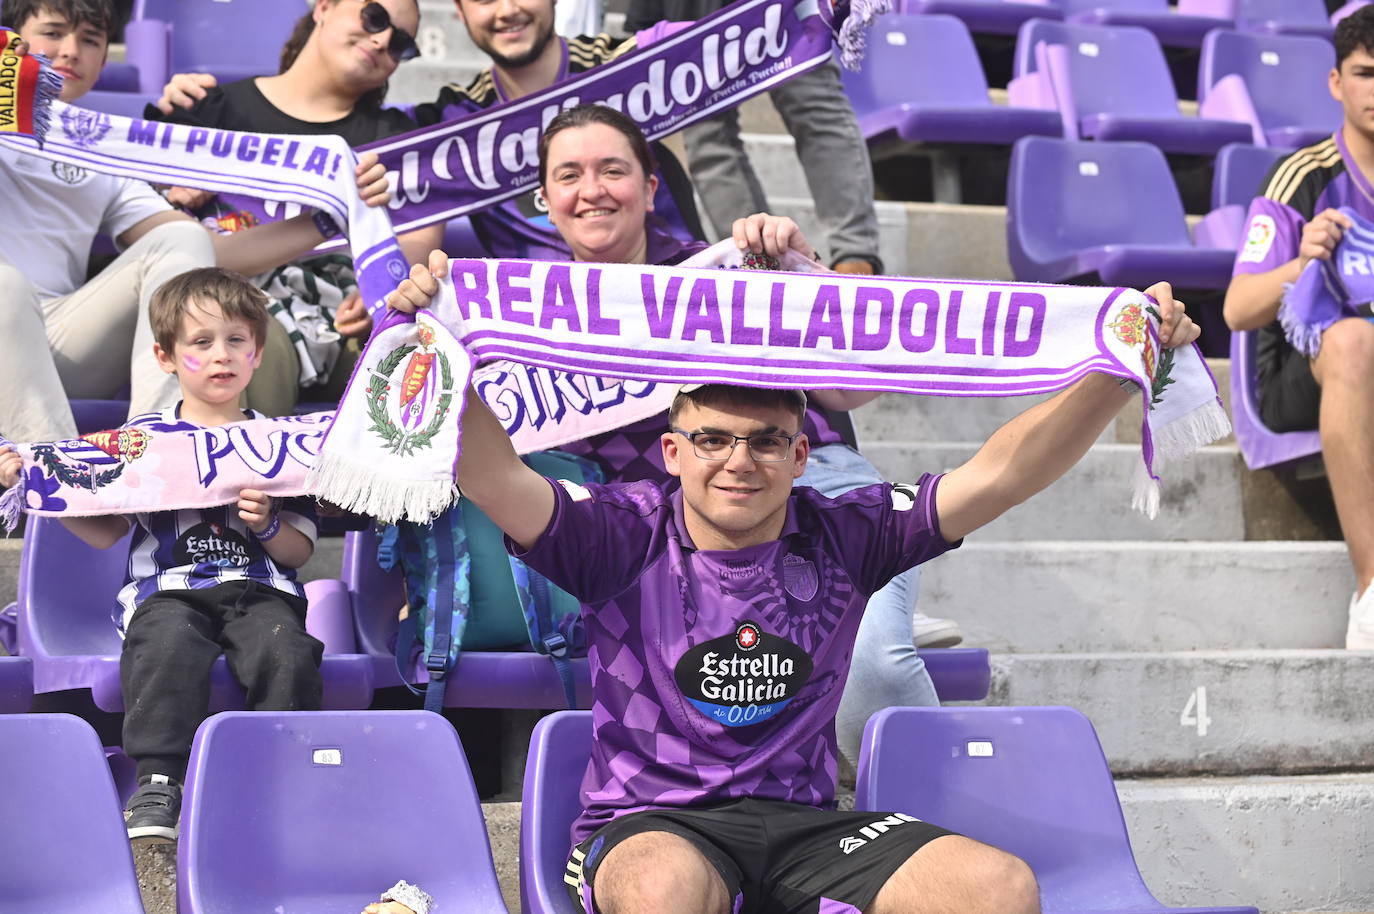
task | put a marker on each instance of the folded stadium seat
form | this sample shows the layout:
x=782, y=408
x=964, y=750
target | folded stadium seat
x=16, y=684
x=1110, y=210
x=560, y=746
x=66, y=624
x=1258, y=445
x=921, y=82
x=1346, y=10
x=1274, y=83
x=460, y=239
x=63, y=847
x=1112, y=83
x=1172, y=28
x=1240, y=168
x=116, y=76
x=317, y=812
x=994, y=17
x=1031, y=781
x=231, y=39
x=1286, y=17
x=525, y=679
x=98, y=415
x=124, y=104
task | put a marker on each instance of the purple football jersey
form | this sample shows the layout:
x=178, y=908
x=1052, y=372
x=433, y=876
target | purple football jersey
x=717, y=673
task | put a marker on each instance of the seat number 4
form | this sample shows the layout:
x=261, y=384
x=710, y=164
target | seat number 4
x=1195, y=711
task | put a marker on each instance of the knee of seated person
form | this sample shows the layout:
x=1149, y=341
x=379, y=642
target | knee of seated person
x=15, y=287
x=1347, y=352
x=655, y=871
x=184, y=236
x=1005, y=882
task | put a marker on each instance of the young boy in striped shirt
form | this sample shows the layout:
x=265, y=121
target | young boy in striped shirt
x=204, y=582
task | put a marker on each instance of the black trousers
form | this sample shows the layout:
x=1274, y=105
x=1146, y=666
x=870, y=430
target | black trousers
x=175, y=636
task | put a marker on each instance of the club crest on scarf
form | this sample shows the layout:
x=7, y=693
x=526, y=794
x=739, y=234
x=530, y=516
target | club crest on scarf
x=1131, y=328
x=422, y=400
x=93, y=460
x=84, y=128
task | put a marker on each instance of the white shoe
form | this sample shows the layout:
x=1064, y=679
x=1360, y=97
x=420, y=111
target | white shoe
x=1359, y=636
x=928, y=632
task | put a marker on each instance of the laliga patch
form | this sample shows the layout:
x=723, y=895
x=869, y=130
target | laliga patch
x=904, y=496
x=744, y=678
x=1259, y=238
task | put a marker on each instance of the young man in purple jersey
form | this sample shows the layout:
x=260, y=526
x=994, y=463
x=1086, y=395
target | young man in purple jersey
x=721, y=619
x=1294, y=220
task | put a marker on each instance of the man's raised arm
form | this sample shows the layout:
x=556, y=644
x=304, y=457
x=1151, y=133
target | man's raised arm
x=516, y=498
x=1040, y=445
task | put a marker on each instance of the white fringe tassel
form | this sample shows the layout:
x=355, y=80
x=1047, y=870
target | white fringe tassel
x=357, y=486
x=1180, y=438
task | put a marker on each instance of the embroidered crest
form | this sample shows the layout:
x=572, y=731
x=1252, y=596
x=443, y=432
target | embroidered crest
x=85, y=128
x=799, y=577
x=69, y=174
x=93, y=460
x=415, y=415
x=1131, y=328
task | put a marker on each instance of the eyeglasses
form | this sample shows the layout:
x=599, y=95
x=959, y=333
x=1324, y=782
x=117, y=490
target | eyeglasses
x=401, y=46
x=765, y=448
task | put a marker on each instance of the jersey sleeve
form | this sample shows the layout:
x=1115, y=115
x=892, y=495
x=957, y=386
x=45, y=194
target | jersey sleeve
x=600, y=539
x=1273, y=233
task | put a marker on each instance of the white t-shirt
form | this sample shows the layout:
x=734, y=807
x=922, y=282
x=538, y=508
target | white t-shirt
x=53, y=211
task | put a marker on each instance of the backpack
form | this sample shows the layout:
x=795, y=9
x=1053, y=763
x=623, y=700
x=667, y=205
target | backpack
x=463, y=586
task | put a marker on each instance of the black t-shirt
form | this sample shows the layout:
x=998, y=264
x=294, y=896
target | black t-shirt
x=242, y=106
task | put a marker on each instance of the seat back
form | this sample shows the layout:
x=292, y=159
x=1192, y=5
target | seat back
x=1064, y=197
x=1111, y=69
x=67, y=593
x=1239, y=170
x=917, y=59
x=1073, y=7
x=377, y=594
x=1278, y=15
x=1258, y=445
x=1285, y=76
x=63, y=846
x=1031, y=781
x=320, y=811
x=232, y=39
x=560, y=746
x=16, y=684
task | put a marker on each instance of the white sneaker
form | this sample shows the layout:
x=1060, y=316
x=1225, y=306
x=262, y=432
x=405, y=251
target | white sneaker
x=1359, y=636
x=928, y=632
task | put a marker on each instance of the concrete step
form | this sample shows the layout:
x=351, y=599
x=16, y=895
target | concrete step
x=1234, y=712
x=1037, y=597
x=1279, y=843
x=774, y=157
x=1200, y=497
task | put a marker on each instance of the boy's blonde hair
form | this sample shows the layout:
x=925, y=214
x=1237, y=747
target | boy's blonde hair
x=238, y=299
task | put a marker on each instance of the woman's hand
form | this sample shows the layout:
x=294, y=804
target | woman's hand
x=372, y=186
x=352, y=318
x=419, y=290
x=1176, y=328
x=11, y=466
x=772, y=235
x=183, y=90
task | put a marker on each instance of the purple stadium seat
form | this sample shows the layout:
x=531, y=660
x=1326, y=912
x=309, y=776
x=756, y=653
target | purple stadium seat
x=1258, y=445
x=1032, y=781
x=65, y=624
x=994, y=17
x=1109, y=209
x=460, y=239
x=99, y=415
x=1169, y=26
x=560, y=746
x=63, y=847
x=1288, y=17
x=1346, y=10
x=319, y=812
x=1274, y=83
x=233, y=39
x=117, y=77
x=124, y=104
x=524, y=679
x=1112, y=83
x=1236, y=179
x=922, y=82
x=16, y=685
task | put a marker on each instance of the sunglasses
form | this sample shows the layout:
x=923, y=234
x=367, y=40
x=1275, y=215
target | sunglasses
x=401, y=47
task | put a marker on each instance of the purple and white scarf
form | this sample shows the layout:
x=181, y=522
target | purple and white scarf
x=1329, y=290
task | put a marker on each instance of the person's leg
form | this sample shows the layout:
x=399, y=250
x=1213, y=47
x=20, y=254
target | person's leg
x=721, y=171
x=269, y=650
x=886, y=671
x=1343, y=369
x=34, y=405
x=660, y=872
x=100, y=334
x=835, y=158
x=957, y=875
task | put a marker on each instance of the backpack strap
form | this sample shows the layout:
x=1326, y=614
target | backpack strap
x=532, y=589
x=433, y=599
x=440, y=658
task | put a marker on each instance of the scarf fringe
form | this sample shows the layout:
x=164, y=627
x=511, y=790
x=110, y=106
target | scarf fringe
x=46, y=92
x=1305, y=337
x=1191, y=431
x=853, y=36
x=12, y=506
x=1145, y=497
x=356, y=486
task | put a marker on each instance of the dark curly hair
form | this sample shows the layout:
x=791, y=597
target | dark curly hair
x=1355, y=32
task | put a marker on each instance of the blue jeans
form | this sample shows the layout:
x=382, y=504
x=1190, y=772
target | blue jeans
x=886, y=669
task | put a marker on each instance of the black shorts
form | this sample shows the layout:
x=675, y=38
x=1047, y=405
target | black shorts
x=784, y=858
x=1290, y=398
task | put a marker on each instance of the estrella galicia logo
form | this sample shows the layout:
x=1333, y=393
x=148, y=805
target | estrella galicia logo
x=743, y=678
x=85, y=128
x=212, y=544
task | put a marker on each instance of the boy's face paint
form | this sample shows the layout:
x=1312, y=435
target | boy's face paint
x=191, y=362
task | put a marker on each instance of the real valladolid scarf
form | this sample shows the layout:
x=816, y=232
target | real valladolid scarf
x=1329, y=290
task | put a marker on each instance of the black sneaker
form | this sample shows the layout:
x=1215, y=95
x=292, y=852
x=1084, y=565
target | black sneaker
x=154, y=810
